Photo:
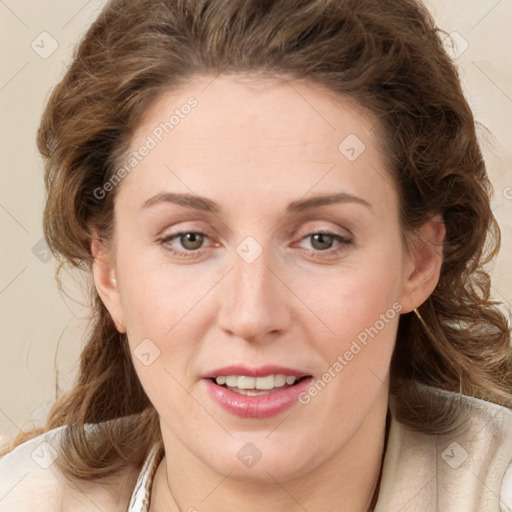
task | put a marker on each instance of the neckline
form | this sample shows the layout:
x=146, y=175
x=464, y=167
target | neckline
x=141, y=495
x=375, y=497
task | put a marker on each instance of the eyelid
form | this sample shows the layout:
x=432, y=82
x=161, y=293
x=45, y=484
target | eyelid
x=300, y=234
x=164, y=242
x=177, y=234
x=311, y=230
x=342, y=243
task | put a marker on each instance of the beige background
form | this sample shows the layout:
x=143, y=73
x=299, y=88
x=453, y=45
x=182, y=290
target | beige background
x=33, y=314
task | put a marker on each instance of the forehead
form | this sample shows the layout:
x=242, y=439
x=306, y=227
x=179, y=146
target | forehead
x=260, y=133
x=232, y=107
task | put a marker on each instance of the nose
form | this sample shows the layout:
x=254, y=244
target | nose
x=255, y=301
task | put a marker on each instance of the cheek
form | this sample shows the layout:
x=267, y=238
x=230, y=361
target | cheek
x=359, y=310
x=157, y=303
x=156, y=293
x=168, y=314
x=159, y=297
x=362, y=313
x=164, y=318
x=352, y=298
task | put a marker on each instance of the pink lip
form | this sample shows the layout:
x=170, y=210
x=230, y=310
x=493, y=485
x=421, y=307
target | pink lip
x=261, y=371
x=260, y=406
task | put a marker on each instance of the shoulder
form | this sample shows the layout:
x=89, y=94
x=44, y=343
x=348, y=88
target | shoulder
x=484, y=443
x=471, y=464
x=30, y=480
x=486, y=427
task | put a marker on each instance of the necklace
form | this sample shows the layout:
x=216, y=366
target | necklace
x=377, y=485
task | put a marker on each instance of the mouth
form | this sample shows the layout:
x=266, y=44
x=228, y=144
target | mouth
x=255, y=386
x=256, y=392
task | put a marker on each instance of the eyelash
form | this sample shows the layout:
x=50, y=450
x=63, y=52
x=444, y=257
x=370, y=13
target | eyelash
x=344, y=242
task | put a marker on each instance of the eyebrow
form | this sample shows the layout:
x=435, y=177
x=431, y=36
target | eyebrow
x=186, y=200
x=303, y=205
x=207, y=205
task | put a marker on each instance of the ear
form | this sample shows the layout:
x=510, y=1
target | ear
x=423, y=265
x=105, y=281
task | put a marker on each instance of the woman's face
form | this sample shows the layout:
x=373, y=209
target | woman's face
x=270, y=281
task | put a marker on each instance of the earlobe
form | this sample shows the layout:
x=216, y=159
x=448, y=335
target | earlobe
x=106, y=282
x=424, y=264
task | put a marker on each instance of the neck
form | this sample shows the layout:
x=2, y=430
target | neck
x=349, y=477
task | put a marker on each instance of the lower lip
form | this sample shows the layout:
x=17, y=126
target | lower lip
x=260, y=406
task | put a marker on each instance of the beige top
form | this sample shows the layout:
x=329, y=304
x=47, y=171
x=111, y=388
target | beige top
x=140, y=498
x=469, y=470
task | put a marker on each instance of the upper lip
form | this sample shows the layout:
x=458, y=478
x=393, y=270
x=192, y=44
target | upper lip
x=260, y=371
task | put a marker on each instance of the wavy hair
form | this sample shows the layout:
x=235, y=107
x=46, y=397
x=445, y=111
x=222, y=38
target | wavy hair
x=388, y=56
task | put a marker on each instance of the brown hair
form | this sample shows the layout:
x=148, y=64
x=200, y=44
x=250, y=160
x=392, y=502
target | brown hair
x=386, y=54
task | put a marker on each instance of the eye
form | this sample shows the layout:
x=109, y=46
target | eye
x=326, y=243
x=190, y=241
x=321, y=241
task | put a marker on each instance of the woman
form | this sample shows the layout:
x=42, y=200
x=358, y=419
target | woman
x=283, y=208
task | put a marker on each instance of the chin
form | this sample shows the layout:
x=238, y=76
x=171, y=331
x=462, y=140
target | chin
x=251, y=465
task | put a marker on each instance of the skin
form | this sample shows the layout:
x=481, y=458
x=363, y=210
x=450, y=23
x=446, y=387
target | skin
x=254, y=146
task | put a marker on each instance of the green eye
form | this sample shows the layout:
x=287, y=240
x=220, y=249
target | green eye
x=323, y=242
x=191, y=243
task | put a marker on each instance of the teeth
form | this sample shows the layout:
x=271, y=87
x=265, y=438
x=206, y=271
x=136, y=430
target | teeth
x=232, y=381
x=261, y=383
x=251, y=392
x=279, y=380
x=268, y=382
x=246, y=382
